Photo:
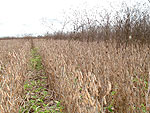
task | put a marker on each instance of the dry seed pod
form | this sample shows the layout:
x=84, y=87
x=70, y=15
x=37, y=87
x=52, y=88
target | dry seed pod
x=107, y=92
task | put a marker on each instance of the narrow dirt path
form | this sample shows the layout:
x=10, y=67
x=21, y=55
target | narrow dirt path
x=37, y=96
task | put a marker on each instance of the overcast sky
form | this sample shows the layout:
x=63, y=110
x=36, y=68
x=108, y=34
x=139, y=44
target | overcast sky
x=19, y=17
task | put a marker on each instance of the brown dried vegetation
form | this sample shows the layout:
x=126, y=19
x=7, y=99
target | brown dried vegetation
x=89, y=77
x=86, y=76
x=102, y=66
x=14, y=56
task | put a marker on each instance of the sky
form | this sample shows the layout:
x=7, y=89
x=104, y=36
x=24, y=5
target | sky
x=34, y=17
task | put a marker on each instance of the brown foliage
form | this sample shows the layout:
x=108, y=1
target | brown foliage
x=14, y=56
x=85, y=75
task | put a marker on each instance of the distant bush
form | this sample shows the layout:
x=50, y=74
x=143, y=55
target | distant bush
x=128, y=21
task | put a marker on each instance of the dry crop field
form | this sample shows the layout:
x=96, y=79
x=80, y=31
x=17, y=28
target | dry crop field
x=14, y=56
x=97, y=77
x=87, y=77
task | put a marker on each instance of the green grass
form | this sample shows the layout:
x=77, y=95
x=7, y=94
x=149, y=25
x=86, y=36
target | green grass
x=36, y=92
x=36, y=60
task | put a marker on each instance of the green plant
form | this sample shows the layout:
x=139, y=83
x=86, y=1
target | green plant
x=113, y=93
x=36, y=90
x=36, y=60
x=110, y=108
x=143, y=107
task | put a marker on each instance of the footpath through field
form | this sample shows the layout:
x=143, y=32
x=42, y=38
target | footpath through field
x=37, y=96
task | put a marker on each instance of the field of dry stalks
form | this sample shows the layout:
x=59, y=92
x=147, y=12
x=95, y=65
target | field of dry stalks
x=101, y=66
x=87, y=77
x=14, y=56
x=97, y=77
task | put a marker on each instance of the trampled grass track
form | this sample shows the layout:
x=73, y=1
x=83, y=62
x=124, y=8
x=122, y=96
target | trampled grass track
x=38, y=98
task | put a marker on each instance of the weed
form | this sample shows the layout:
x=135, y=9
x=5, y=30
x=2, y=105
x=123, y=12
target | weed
x=36, y=92
x=36, y=61
x=143, y=107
